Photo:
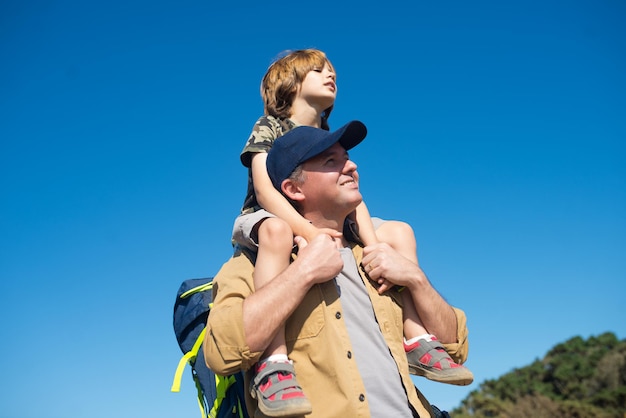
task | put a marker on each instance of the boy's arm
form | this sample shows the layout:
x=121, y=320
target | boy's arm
x=367, y=232
x=274, y=202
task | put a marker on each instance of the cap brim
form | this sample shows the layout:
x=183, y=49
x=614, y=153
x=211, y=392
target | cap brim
x=353, y=134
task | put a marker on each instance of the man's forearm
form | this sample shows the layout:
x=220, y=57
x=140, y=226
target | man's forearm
x=268, y=308
x=436, y=314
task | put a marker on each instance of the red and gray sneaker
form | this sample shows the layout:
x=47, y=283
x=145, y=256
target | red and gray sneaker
x=277, y=391
x=430, y=359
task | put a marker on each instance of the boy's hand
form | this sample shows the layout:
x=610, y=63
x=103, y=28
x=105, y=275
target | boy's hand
x=313, y=232
x=384, y=285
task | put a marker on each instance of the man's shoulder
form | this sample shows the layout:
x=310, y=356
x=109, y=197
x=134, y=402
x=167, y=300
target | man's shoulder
x=241, y=264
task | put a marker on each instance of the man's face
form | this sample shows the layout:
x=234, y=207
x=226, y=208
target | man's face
x=331, y=183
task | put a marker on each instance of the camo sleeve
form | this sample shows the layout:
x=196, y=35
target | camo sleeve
x=264, y=133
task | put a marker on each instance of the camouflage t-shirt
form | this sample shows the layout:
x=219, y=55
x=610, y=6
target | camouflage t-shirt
x=266, y=130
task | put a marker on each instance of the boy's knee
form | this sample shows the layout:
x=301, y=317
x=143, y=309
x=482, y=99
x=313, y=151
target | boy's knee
x=396, y=227
x=403, y=228
x=275, y=229
x=396, y=233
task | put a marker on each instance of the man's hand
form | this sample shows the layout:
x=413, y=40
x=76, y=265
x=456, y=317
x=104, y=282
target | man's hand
x=387, y=267
x=267, y=309
x=320, y=260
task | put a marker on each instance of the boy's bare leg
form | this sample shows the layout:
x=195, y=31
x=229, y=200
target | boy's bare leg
x=275, y=240
x=401, y=237
x=275, y=244
x=425, y=353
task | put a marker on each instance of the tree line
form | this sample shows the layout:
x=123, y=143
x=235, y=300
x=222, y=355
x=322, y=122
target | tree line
x=576, y=379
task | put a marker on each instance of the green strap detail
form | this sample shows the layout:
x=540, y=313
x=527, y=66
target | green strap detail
x=240, y=408
x=222, y=383
x=201, y=288
x=178, y=376
x=201, y=402
x=189, y=357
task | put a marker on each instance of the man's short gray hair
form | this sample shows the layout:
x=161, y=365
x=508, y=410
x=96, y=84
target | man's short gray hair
x=298, y=176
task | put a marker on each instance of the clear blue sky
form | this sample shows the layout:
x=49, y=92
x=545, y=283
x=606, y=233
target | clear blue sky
x=496, y=129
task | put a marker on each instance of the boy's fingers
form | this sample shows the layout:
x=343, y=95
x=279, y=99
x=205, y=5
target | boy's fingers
x=300, y=242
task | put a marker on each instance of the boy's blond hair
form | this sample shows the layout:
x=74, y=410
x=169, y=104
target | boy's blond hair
x=284, y=77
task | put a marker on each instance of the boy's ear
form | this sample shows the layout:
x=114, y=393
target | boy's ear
x=292, y=190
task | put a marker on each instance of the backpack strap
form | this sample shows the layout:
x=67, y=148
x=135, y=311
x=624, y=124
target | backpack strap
x=201, y=402
x=190, y=356
x=201, y=288
x=222, y=383
x=187, y=358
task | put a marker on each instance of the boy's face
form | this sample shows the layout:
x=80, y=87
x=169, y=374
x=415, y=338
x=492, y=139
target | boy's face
x=319, y=87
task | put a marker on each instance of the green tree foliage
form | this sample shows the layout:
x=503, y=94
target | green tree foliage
x=576, y=379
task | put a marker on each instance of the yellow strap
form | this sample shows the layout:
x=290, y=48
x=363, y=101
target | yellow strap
x=178, y=376
x=201, y=288
x=240, y=408
x=189, y=357
x=222, y=383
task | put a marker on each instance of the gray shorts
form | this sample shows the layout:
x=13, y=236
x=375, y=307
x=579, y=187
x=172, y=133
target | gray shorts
x=244, y=225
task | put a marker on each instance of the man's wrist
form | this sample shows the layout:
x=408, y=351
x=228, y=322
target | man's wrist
x=418, y=280
x=301, y=274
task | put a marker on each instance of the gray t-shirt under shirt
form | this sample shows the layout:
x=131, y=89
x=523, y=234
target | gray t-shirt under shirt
x=385, y=392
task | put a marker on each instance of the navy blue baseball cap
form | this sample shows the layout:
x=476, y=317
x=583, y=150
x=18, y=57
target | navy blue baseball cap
x=305, y=142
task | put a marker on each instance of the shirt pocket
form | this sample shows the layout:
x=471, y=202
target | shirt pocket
x=307, y=320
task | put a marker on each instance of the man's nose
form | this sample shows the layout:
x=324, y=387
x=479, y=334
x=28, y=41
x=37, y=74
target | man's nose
x=349, y=166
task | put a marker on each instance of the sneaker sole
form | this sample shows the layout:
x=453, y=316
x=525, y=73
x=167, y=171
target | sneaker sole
x=458, y=379
x=287, y=409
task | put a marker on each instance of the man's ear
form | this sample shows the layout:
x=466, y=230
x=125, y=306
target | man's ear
x=292, y=190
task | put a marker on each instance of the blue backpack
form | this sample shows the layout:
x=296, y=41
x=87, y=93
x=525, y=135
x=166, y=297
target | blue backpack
x=218, y=396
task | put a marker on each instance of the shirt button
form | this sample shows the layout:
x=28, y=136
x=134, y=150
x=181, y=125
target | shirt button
x=349, y=354
x=362, y=397
x=338, y=315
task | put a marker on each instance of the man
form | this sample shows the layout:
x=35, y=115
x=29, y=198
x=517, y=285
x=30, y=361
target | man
x=345, y=339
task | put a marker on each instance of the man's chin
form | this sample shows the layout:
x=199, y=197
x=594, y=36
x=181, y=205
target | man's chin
x=356, y=201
